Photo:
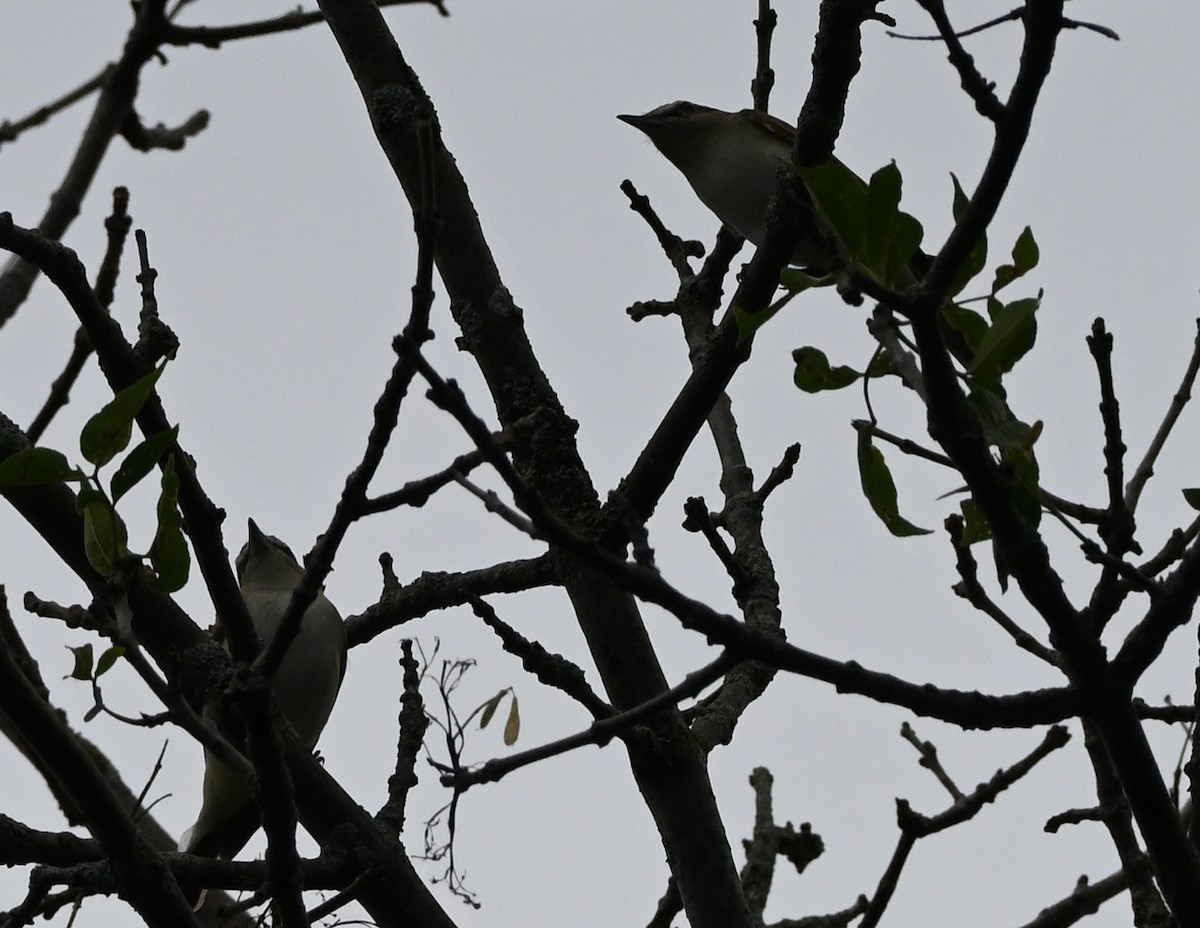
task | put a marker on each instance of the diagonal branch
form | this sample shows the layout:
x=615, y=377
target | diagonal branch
x=215, y=36
x=970, y=710
x=115, y=103
x=142, y=877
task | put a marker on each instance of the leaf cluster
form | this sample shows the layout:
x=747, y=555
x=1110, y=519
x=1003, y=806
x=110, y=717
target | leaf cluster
x=879, y=247
x=105, y=435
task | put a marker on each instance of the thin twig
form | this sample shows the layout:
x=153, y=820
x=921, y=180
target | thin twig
x=764, y=74
x=552, y=670
x=906, y=445
x=214, y=36
x=972, y=590
x=10, y=130
x=980, y=90
x=386, y=414
x=600, y=732
x=492, y=502
x=117, y=226
x=700, y=520
x=780, y=473
x=929, y=760
x=1183, y=394
x=413, y=724
x=1117, y=530
x=676, y=249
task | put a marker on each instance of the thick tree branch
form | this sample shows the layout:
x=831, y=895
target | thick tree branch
x=671, y=777
x=113, y=106
x=142, y=878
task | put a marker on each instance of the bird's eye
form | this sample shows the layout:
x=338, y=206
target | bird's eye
x=680, y=109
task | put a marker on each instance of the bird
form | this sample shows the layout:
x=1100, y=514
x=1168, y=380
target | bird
x=305, y=687
x=732, y=161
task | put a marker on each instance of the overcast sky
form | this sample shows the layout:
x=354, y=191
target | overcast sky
x=285, y=255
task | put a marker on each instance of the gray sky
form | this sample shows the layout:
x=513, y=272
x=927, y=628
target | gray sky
x=285, y=256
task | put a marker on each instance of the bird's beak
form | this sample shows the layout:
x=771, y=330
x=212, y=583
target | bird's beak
x=257, y=537
x=634, y=121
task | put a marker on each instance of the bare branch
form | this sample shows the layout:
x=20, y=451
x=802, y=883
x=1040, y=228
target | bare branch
x=552, y=670
x=967, y=807
x=10, y=130
x=432, y=591
x=1183, y=394
x=142, y=877
x=214, y=36
x=413, y=724
x=676, y=249
x=929, y=760
x=764, y=74
x=977, y=88
x=599, y=732
x=972, y=590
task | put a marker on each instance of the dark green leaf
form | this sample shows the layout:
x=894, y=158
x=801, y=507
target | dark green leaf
x=31, y=466
x=83, y=663
x=1026, y=253
x=891, y=236
x=140, y=461
x=977, y=256
x=1000, y=426
x=972, y=326
x=1025, y=257
x=883, y=204
x=880, y=489
x=881, y=365
x=104, y=534
x=107, y=433
x=840, y=197
x=749, y=323
x=794, y=280
x=907, y=235
x=1011, y=335
x=1024, y=466
x=169, y=552
x=108, y=658
x=490, y=707
x=961, y=201
x=814, y=373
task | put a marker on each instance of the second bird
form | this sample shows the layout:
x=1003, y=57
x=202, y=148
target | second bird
x=305, y=687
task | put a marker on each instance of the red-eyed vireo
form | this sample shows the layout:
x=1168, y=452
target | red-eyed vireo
x=305, y=687
x=732, y=161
